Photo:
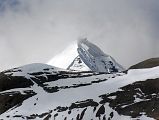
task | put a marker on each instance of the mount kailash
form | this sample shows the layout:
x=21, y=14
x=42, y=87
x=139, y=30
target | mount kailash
x=93, y=87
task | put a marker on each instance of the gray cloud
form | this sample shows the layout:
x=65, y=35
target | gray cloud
x=35, y=31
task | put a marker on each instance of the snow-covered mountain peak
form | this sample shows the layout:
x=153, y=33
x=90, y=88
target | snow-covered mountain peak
x=90, y=47
x=96, y=59
x=86, y=56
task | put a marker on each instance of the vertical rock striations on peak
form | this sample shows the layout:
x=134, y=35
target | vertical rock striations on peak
x=95, y=59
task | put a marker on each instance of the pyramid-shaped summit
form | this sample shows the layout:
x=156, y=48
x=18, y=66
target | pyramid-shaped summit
x=92, y=58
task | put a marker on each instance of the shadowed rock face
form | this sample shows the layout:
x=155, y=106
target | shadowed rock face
x=153, y=62
x=13, y=99
x=10, y=82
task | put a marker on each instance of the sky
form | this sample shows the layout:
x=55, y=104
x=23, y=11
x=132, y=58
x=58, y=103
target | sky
x=37, y=30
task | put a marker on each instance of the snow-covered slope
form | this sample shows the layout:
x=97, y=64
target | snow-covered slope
x=55, y=94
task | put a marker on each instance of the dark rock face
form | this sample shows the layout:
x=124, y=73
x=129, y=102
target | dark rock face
x=153, y=62
x=10, y=82
x=136, y=99
x=12, y=99
x=100, y=111
x=83, y=104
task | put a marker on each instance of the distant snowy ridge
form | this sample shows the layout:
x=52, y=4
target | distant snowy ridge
x=26, y=70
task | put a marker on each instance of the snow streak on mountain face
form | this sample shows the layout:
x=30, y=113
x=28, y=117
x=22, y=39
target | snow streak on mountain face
x=96, y=59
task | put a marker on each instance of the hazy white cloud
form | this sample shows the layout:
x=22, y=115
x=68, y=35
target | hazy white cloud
x=37, y=30
x=65, y=58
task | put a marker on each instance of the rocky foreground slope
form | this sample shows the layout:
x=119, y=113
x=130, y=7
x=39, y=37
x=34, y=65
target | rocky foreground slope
x=43, y=92
x=153, y=62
